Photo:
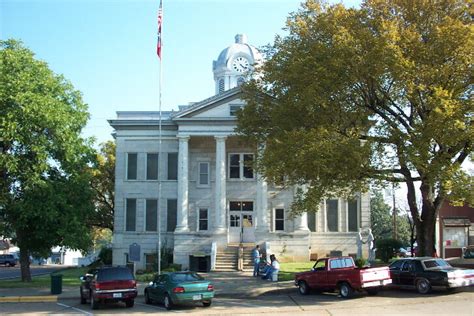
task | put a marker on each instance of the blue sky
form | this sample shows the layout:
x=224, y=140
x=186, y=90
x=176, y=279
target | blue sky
x=107, y=48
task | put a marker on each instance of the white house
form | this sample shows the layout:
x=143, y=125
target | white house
x=209, y=194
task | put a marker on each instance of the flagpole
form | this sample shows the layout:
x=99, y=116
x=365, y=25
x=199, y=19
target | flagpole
x=159, y=51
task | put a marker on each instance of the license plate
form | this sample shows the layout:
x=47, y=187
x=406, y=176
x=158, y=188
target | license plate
x=197, y=297
x=117, y=295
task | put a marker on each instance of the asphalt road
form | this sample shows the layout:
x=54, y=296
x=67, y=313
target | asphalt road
x=386, y=303
x=14, y=272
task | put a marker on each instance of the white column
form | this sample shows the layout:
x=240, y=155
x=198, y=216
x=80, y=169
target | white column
x=262, y=222
x=220, y=186
x=182, y=216
x=301, y=222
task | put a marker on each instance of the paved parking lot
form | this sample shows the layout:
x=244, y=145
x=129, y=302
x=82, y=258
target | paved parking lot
x=386, y=303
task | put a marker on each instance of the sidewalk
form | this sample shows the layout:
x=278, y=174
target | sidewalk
x=226, y=284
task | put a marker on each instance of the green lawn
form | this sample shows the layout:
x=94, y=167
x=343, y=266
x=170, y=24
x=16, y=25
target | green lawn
x=288, y=269
x=70, y=278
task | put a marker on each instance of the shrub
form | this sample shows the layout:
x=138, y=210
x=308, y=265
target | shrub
x=387, y=248
x=360, y=262
x=173, y=267
x=105, y=255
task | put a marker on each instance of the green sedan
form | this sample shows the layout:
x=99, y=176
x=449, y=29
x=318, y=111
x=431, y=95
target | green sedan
x=175, y=288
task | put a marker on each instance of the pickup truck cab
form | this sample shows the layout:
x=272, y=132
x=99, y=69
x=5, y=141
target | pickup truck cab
x=331, y=274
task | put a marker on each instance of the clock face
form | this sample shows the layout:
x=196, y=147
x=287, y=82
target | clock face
x=241, y=64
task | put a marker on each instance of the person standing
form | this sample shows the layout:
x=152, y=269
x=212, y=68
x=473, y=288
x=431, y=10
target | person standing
x=256, y=260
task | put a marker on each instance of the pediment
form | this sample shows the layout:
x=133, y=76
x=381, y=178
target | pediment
x=217, y=107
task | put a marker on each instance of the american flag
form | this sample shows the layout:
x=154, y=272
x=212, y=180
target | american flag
x=160, y=21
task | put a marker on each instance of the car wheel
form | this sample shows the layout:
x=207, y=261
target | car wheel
x=303, y=288
x=130, y=303
x=423, y=286
x=207, y=303
x=147, y=298
x=83, y=299
x=94, y=303
x=345, y=290
x=373, y=291
x=167, y=302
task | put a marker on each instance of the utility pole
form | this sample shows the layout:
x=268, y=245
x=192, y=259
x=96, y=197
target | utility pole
x=394, y=213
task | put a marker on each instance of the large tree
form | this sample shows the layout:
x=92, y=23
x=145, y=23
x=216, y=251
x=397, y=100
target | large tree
x=380, y=93
x=46, y=199
x=103, y=183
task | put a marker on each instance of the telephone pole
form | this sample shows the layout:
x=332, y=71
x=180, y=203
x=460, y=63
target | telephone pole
x=394, y=213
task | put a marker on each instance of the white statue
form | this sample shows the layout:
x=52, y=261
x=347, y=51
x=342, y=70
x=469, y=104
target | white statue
x=371, y=245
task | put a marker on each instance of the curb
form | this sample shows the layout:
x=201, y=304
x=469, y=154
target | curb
x=30, y=299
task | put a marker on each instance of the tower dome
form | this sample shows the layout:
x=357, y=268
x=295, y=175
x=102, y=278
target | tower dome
x=234, y=62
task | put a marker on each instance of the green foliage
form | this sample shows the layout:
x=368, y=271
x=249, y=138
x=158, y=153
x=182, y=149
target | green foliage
x=105, y=255
x=45, y=195
x=381, y=220
x=380, y=93
x=387, y=248
x=103, y=183
x=361, y=262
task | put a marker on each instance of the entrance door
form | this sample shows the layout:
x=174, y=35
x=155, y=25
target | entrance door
x=241, y=222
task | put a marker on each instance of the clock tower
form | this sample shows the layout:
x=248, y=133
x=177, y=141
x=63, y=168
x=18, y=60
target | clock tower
x=232, y=66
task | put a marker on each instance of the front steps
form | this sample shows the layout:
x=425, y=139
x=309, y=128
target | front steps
x=228, y=258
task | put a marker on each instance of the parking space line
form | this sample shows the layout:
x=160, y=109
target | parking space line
x=76, y=309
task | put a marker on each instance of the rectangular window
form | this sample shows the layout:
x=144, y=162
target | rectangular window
x=151, y=218
x=172, y=166
x=240, y=166
x=203, y=173
x=248, y=168
x=241, y=206
x=279, y=219
x=131, y=166
x=152, y=166
x=312, y=221
x=234, y=109
x=172, y=207
x=332, y=215
x=130, y=215
x=203, y=219
x=352, y=216
x=234, y=166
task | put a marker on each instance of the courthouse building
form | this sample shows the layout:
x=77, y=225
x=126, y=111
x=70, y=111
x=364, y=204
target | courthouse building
x=211, y=199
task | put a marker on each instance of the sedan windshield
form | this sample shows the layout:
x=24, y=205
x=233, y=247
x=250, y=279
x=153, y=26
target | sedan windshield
x=436, y=264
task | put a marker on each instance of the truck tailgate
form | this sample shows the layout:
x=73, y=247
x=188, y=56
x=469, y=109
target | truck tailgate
x=375, y=277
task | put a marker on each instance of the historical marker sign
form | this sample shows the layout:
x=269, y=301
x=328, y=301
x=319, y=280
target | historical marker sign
x=134, y=252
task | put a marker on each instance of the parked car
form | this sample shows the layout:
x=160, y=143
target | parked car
x=425, y=273
x=8, y=260
x=340, y=273
x=175, y=288
x=108, y=284
x=468, y=252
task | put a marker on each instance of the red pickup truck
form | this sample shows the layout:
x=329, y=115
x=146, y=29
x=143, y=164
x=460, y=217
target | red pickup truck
x=330, y=274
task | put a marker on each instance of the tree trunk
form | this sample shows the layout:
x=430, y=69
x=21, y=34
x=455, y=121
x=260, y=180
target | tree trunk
x=426, y=227
x=426, y=221
x=25, y=265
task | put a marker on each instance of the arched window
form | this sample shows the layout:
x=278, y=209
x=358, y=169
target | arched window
x=221, y=85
